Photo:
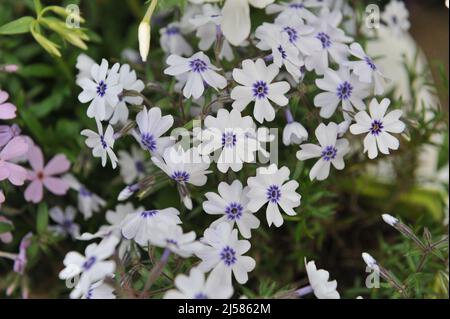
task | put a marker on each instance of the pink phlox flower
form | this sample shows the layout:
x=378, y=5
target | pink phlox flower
x=46, y=175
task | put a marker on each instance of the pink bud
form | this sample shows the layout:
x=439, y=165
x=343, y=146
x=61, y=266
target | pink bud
x=11, y=68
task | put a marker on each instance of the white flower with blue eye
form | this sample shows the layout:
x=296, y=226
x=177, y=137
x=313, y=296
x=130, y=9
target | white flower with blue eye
x=300, y=35
x=208, y=30
x=366, y=69
x=65, y=221
x=269, y=187
x=183, y=167
x=330, y=151
x=141, y=225
x=333, y=44
x=199, y=70
x=396, y=16
x=88, y=202
x=114, y=219
x=102, y=90
x=92, y=267
x=171, y=237
x=255, y=79
x=223, y=253
x=151, y=127
x=229, y=132
x=100, y=290
x=196, y=286
x=296, y=10
x=341, y=88
x=132, y=165
x=378, y=126
x=231, y=202
x=173, y=42
x=284, y=52
x=129, y=81
x=102, y=144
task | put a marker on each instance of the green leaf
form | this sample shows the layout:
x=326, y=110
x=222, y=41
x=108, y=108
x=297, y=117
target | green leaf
x=42, y=218
x=38, y=6
x=39, y=70
x=50, y=103
x=72, y=36
x=6, y=227
x=21, y=25
x=48, y=45
x=33, y=124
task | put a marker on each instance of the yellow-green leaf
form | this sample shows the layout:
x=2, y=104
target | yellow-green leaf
x=48, y=45
x=21, y=25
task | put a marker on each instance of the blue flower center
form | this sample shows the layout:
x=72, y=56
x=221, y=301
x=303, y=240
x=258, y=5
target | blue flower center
x=344, y=90
x=370, y=63
x=282, y=52
x=292, y=33
x=198, y=66
x=172, y=30
x=85, y=192
x=200, y=295
x=325, y=39
x=228, y=256
x=172, y=242
x=67, y=224
x=273, y=193
x=149, y=213
x=296, y=6
x=234, y=211
x=229, y=139
x=148, y=140
x=140, y=167
x=329, y=153
x=260, y=89
x=90, y=293
x=103, y=142
x=89, y=263
x=376, y=127
x=180, y=176
x=101, y=88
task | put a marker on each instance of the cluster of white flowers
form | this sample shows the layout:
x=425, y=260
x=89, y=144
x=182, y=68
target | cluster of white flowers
x=307, y=38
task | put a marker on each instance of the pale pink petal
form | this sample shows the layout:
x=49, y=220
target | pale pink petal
x=34, y=191
x=36, y=158
x=56, y=185
x=17, y=174
x=15, y=148
x=7, y=111
x=3, y=96
x=57, y=165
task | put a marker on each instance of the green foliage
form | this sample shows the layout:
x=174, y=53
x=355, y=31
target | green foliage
x=42, y=218
x=5, y=227
x=21, y=25
x=72, y=34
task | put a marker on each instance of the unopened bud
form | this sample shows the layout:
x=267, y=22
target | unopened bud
x=390, y=220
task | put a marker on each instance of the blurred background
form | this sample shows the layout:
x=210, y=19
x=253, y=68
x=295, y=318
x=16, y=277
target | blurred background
x=430, y=28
